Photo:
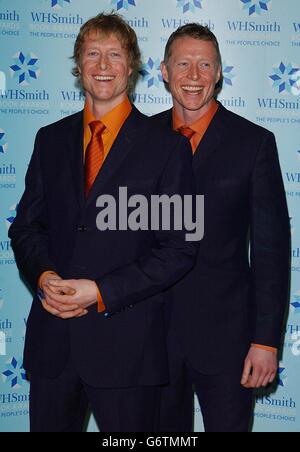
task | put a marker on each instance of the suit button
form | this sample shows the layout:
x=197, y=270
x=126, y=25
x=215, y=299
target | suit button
x=81, y=228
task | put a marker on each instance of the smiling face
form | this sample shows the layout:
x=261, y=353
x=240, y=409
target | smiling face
x=192, y=73
x=104, y=69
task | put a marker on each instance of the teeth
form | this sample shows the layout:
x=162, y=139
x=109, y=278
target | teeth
x=192, y=89
x=102, y=78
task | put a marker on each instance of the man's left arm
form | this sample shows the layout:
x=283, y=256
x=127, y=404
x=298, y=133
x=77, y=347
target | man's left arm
x=270, y=264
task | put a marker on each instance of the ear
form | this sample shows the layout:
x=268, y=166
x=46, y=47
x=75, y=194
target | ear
x=79, y=69
x=164, y=71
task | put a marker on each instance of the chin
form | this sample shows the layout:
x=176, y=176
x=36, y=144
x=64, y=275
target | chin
x=193, y=107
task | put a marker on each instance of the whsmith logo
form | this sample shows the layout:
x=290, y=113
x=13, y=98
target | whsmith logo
x=256, y=6
x=54, y=18
x=286, y=78
x=7, y=176
x=58, y=4
x=151, y=73
x=22, y=94
x=24, y=68
x=296, y=27
x=9, y=16
x=14, y=374
x=3, y=143
x=123, y=4
x=228, y=74
x=292, y=178
x=72, y=96
x=189, y=5
x=251, y=26
x=275, y=402
x=171, y=23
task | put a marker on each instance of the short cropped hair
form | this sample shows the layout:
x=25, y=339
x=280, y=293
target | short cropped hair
x=105, y=25
x=196, y=31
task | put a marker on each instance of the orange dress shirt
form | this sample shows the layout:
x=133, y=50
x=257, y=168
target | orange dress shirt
x=200, y=127
x=113, y=121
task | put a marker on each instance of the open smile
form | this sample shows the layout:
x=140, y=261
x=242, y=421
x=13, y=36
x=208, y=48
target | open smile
x=192, y=89
x=104, y=78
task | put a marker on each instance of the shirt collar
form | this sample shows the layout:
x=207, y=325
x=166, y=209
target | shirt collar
x=199, y=126
x=113, y=120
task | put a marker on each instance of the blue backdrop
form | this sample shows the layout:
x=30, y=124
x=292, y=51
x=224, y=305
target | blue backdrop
x=260, y=43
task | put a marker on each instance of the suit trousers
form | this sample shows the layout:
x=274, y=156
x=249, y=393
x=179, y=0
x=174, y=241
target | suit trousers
x=61, y=405
x=226, y=406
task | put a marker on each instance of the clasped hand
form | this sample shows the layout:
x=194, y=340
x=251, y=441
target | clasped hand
x=67, y=299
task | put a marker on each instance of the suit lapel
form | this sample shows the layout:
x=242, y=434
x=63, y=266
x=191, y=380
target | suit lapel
x=212, y=139
x=118, y=153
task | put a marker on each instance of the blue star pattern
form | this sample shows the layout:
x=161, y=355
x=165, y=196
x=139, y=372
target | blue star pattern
x=281, y=377
x=3, y=143
x=296, y=304
x=228, y=75
x=254, y=6
x=189, y=5
x=151, y=73
x=24, y=68
x=285, y=77
x=119, y=4
x=14, y=373
x=58, y=4
x=9, y=221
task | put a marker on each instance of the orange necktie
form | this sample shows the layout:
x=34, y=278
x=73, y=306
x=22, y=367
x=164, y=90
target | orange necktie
x=94, y=155
x=187, y=132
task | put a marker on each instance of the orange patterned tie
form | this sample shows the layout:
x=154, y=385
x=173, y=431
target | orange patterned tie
x=94, y=155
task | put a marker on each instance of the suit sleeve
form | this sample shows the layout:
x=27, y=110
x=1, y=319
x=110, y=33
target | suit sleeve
x=28, y=233
x=170, y=258
x=270, y=246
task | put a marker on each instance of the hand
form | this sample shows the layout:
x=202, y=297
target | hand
x=64, y=311
x=260, y=368
x=85, y=294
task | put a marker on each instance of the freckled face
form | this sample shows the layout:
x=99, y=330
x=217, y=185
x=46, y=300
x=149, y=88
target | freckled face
x=105, y=69
x=192, y=73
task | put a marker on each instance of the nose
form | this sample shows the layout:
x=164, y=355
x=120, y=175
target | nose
x=194, y=72
x=103, y=62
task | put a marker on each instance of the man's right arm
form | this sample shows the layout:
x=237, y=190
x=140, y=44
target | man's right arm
x=28, y=233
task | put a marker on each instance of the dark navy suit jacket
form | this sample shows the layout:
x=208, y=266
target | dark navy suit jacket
x=229, y=301
x=55, y=229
